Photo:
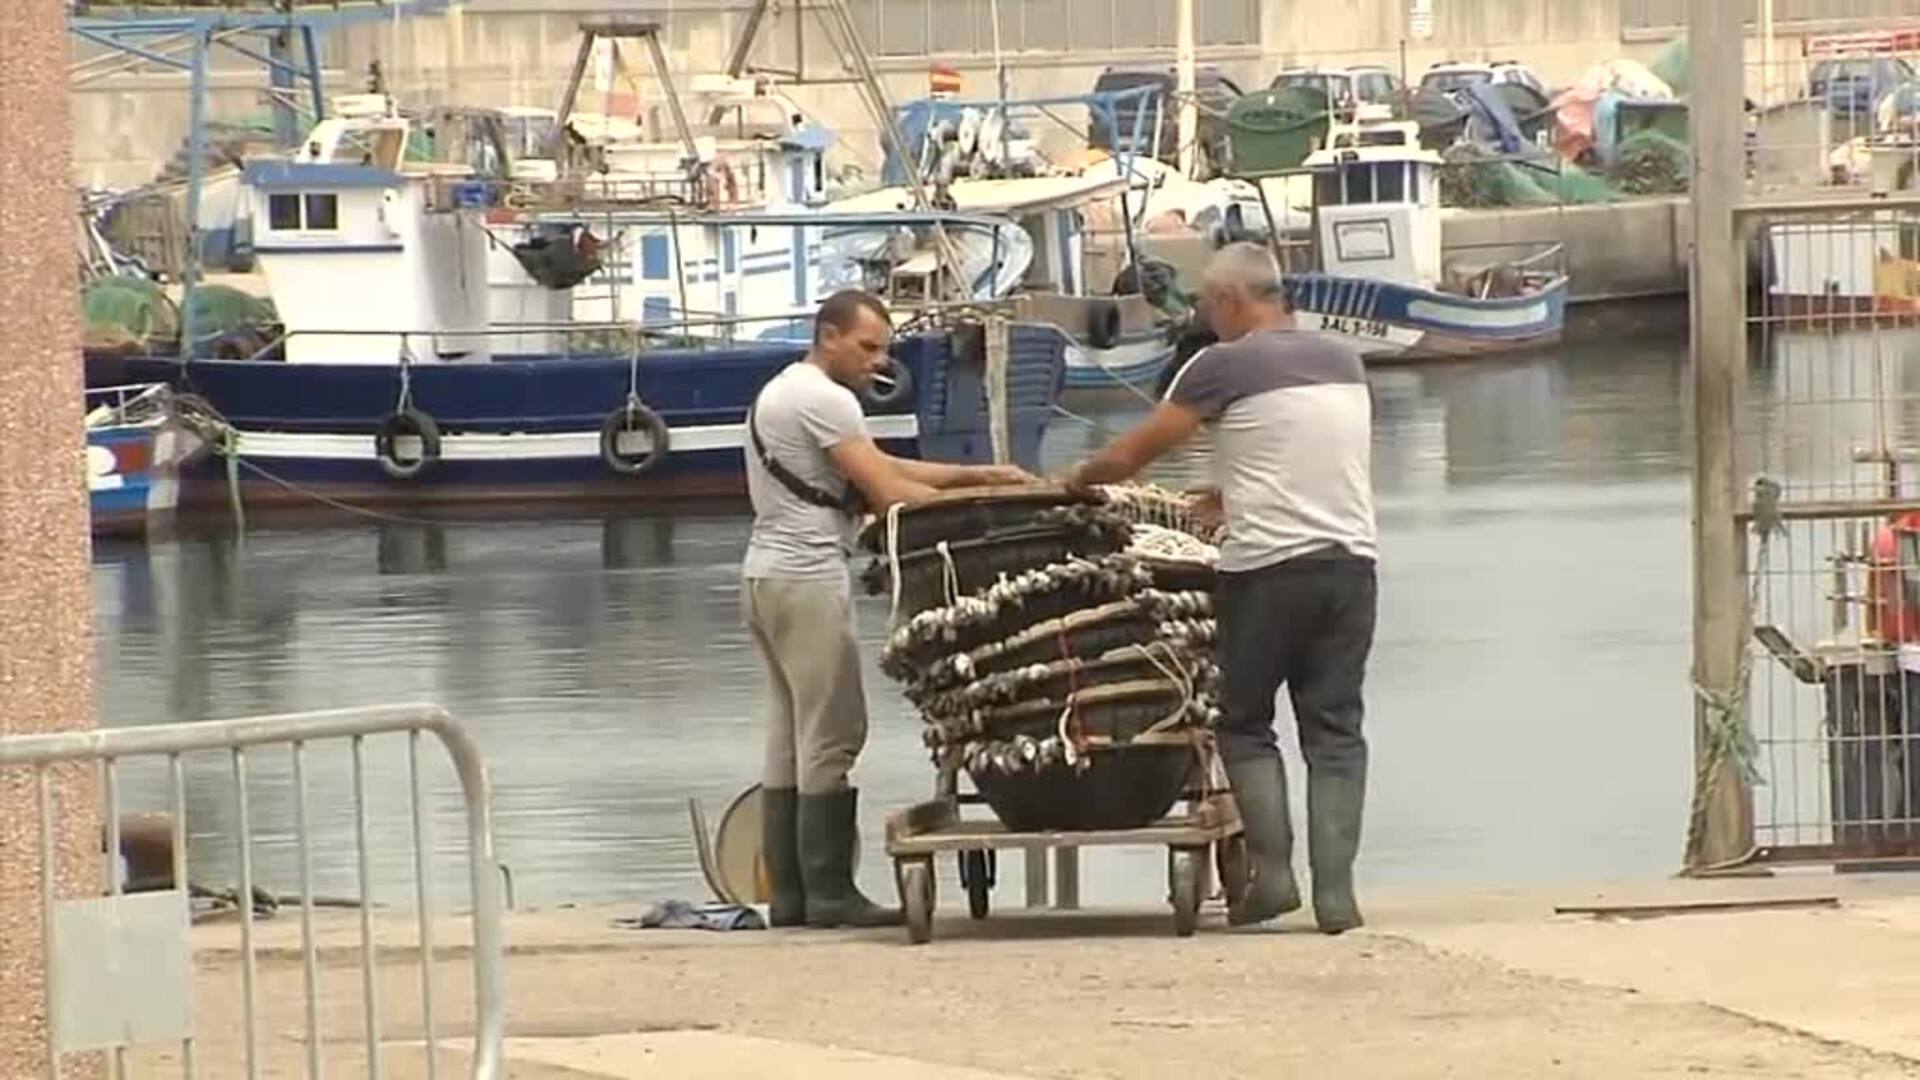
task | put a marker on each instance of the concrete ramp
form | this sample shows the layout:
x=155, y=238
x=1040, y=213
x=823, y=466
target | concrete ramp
x=713, y=1055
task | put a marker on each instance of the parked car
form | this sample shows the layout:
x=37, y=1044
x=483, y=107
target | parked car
x=1216, y=94
x=1456, y=75
x=1853, y=86
x=1349, y=88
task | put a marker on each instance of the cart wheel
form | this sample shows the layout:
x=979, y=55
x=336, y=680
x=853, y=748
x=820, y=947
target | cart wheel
x=1231, y=858
x=916, y=895
x=1185, y=869
x=977, y=874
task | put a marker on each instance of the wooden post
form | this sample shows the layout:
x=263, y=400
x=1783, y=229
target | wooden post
x=45, y=654
x=1716, y=37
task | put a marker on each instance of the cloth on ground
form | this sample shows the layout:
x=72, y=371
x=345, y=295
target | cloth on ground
x=683, y=915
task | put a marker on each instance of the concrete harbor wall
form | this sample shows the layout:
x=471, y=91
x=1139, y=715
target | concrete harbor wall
x=1615, y=251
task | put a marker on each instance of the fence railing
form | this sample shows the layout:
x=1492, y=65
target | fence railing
x=136, y=935
x=1829, y=706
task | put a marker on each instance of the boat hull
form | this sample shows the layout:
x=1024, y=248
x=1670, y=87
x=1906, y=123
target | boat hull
x=1399, y=323
x=529, y=430
x=1137, y=360
x=134, y=475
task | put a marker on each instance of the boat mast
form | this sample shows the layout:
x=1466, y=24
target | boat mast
x=874, y=96
x=1188, y=83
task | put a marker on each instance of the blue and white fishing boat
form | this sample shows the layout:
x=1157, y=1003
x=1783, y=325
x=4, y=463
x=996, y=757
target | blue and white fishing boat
x=1379, y=275
x=137, y=447
x=395, y=383
x=981, y=159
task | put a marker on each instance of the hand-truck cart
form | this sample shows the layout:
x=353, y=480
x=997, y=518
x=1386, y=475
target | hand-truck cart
x=1203, y=838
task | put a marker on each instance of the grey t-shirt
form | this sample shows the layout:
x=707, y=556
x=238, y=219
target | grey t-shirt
x=801, y=414
x=1293, y=444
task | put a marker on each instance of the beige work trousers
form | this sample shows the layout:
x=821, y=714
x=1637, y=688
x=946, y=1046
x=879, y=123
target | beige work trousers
x=818, y=724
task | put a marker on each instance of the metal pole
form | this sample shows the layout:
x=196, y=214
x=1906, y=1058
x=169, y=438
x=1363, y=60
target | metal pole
x=1766, y=52
x=280, y=73
x=196, y=180
x=1724, y=829
x=664, y=73
x=743, y=53
x=1189, y=105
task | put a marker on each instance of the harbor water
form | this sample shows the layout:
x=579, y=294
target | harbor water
x=1529, y=708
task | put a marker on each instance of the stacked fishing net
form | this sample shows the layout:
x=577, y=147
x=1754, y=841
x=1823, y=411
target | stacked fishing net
x=1051, y=643
x=1652, y=163
x=1476, y=177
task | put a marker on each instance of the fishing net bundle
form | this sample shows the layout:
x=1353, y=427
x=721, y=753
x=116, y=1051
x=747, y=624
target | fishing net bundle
x=1476, y=178
x=1652, y=163
x=1057, y=630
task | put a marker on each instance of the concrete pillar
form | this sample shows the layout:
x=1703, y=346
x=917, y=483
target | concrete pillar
x=44, y=596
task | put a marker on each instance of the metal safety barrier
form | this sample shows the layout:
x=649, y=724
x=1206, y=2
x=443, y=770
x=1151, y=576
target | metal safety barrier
x=109, y=957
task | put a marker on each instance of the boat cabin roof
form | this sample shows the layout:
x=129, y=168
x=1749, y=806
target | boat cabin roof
x=1023, y=195
x=1373, y=143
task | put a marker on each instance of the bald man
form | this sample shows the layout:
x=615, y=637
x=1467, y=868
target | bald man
x=1292, y=422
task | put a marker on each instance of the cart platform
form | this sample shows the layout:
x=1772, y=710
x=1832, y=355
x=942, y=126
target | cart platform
x=1209, y=826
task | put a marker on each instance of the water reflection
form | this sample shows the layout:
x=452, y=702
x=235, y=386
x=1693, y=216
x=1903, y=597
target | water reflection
x=1529, y=700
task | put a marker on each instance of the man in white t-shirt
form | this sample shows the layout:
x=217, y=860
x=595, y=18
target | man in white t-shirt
x=1292, y=423
x=807, y=450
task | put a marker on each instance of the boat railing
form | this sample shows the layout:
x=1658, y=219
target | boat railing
x=620, y=337
x=1541, y=257
x=108, y=406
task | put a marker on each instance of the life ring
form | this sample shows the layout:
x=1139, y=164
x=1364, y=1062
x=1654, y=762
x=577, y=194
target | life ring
x=1103, y=325
x=406, y=423
x=632, y=417
x=891, y=387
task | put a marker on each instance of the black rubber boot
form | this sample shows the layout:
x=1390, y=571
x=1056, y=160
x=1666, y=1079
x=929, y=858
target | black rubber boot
x=1334, y=805
x=828, y=834
x=780, y=846
x=1260, y=791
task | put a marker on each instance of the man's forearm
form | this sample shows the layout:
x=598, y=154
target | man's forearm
x=943, y=475
x=1105, y=467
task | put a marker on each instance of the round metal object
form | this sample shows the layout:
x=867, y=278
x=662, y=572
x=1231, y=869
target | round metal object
x=916, y=896
x=737, y=849
x=1185, y=868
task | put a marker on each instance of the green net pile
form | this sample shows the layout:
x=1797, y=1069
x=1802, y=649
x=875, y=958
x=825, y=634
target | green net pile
x=125, y=314
x=1652, y=163
x=1475, y=178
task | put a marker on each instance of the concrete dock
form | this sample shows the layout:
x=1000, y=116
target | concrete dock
x=1807, y=975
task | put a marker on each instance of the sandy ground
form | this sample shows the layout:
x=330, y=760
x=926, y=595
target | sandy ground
x=1458, y=984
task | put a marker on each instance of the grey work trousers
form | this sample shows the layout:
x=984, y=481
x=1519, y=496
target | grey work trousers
x=1306, y=624
x=818, y=723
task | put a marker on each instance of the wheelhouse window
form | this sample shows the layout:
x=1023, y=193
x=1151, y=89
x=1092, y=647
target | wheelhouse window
x=323, y=212
x=283, y=212
x=310, y=212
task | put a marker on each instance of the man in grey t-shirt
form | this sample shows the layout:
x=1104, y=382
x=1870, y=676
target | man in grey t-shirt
x=807, y=448
x=1292, y=422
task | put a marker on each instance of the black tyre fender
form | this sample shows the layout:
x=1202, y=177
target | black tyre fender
x=1103, y=325
x=633, y=417
x=891, y=388
x=405, y=423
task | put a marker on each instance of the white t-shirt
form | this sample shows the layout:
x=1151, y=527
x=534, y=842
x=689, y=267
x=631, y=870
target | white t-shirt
x=801, y=414
x=1293, y=427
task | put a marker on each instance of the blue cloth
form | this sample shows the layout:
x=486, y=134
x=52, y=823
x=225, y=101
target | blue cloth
x=1485, y=101
x=682, y=915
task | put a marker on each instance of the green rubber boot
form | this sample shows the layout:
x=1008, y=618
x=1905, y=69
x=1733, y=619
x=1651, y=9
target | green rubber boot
x=828, y=835
x=1260, y=791
x=1334, y=805
x=780, y=846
